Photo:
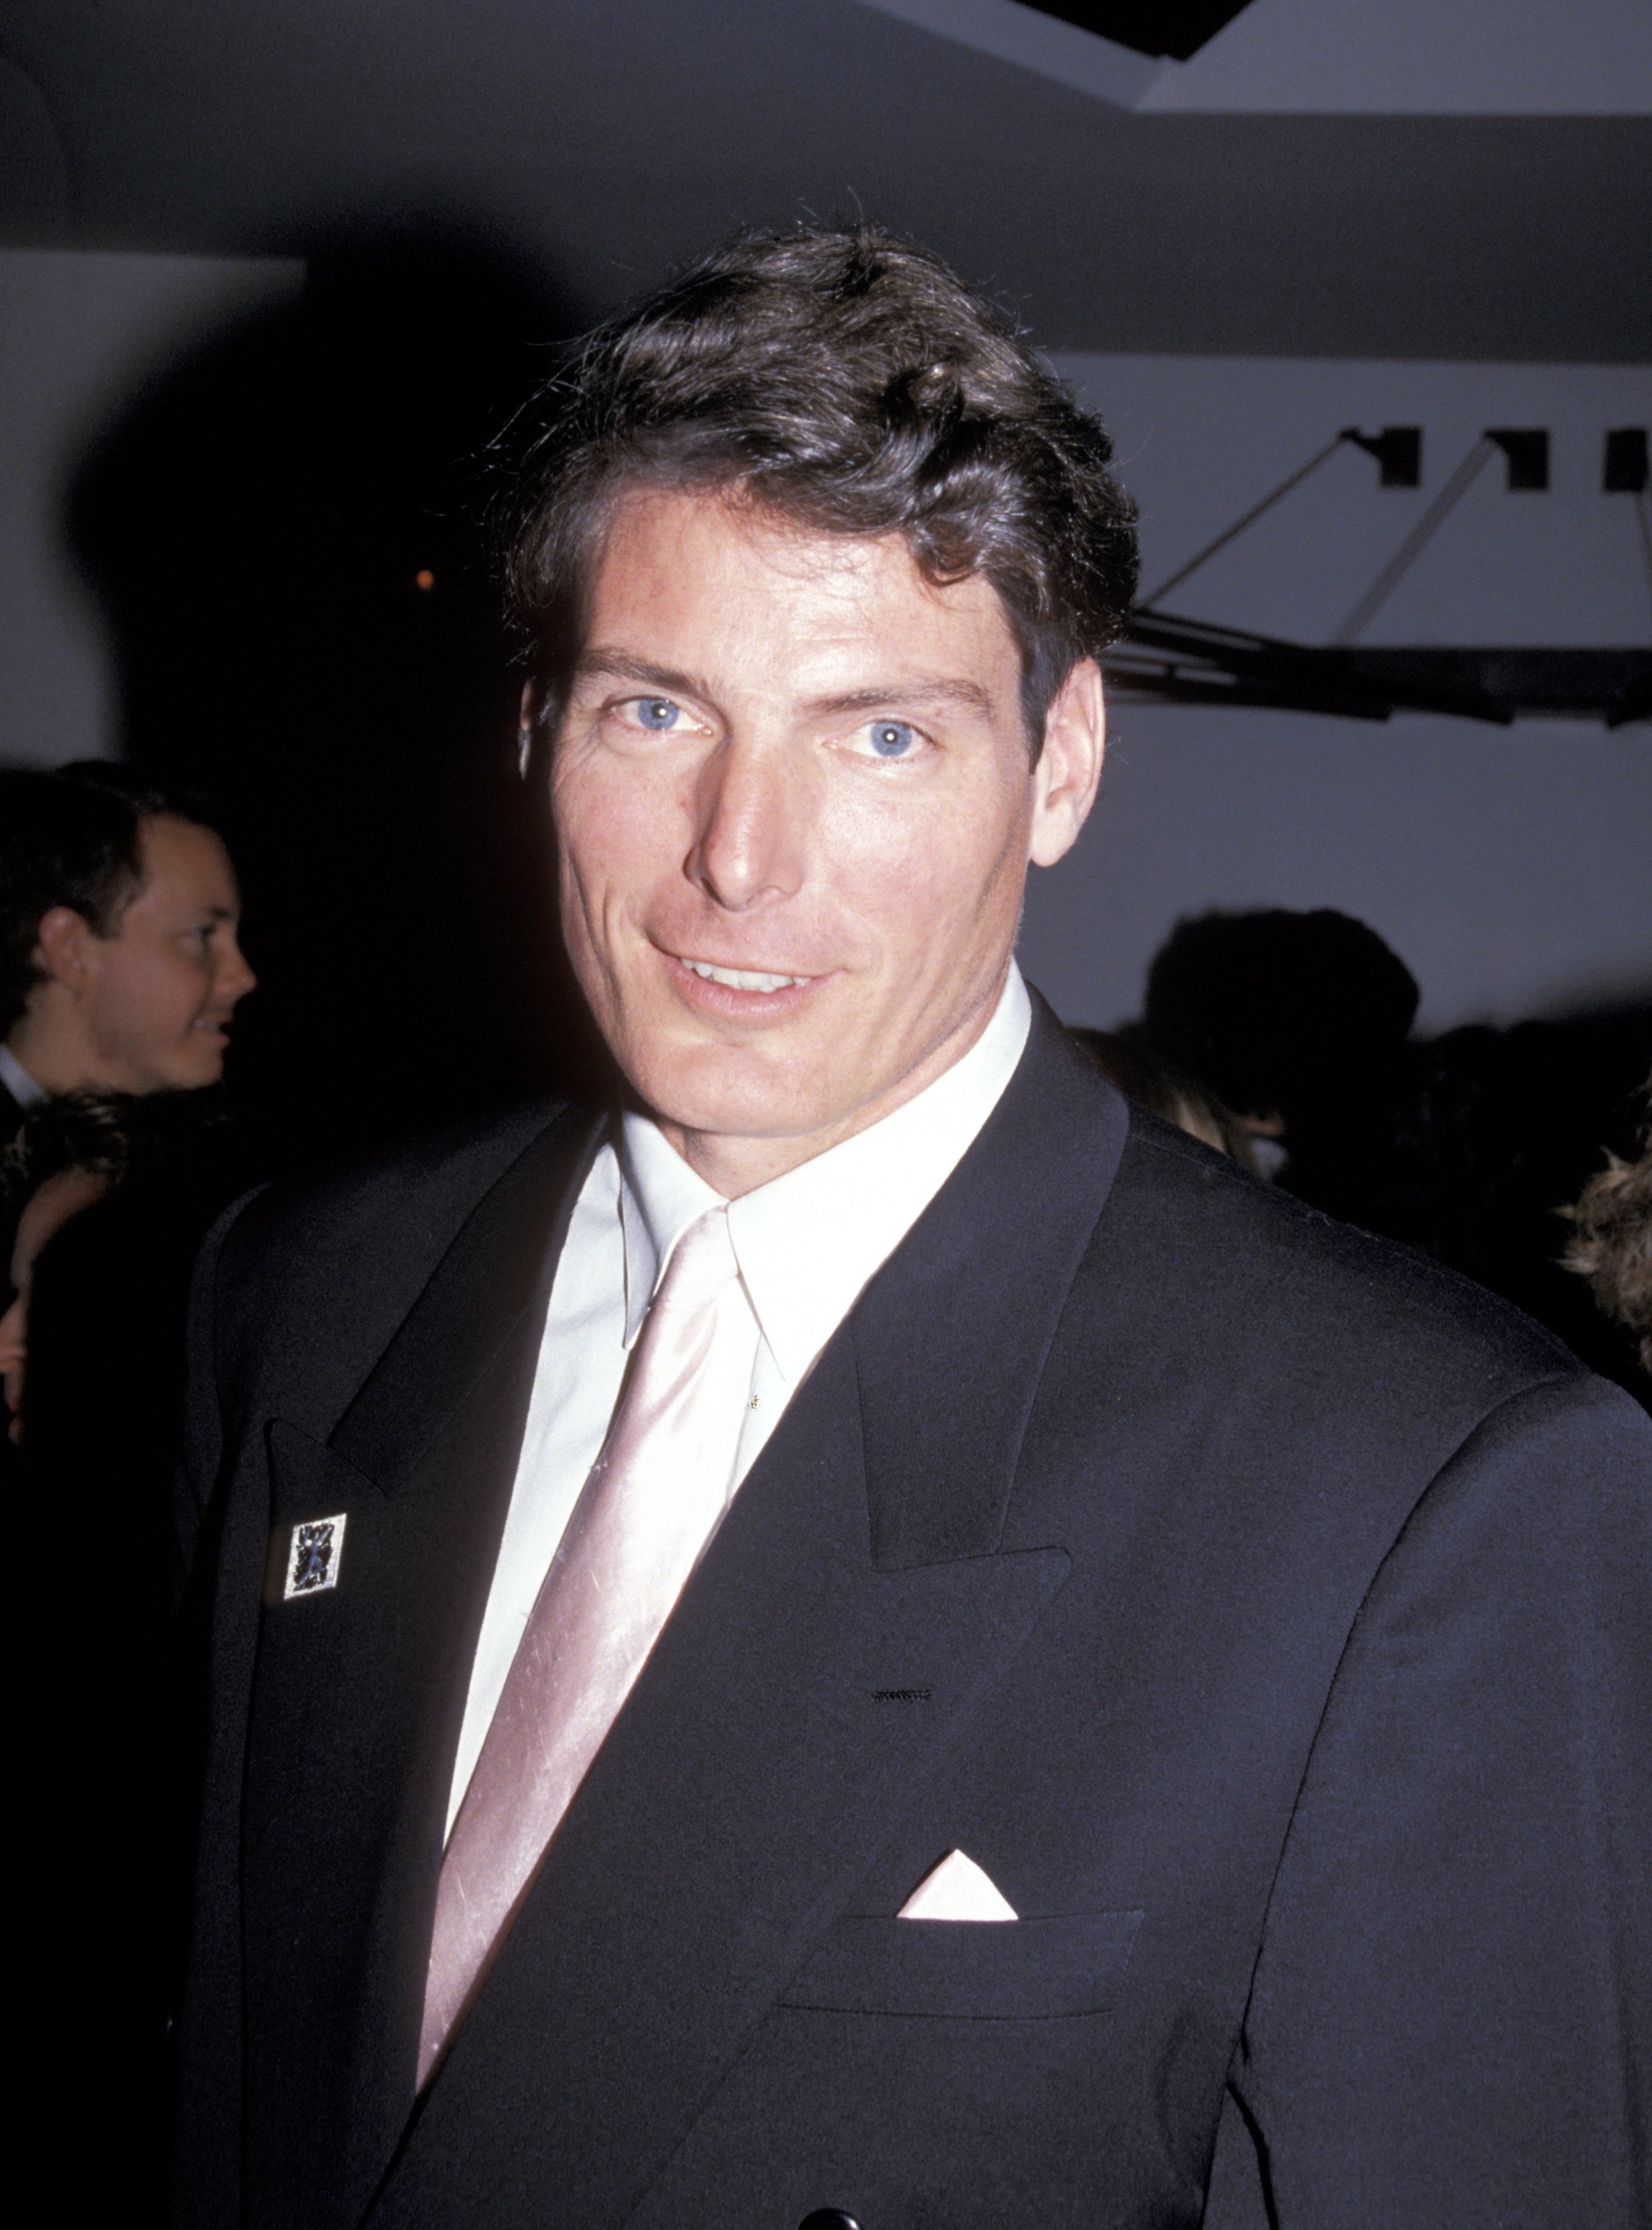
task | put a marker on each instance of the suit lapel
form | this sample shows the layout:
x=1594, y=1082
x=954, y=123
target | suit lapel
x=359, y=1690
x=951, y=1336
x=755, y=1771
x=497, y=1271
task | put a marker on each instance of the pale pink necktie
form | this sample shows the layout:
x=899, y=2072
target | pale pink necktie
x=652, y=1499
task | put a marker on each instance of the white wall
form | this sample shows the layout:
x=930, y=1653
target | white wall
x=1510, y=868
x=78, y=333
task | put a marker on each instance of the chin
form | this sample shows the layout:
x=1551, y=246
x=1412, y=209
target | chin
x=197, y=1074
x=723, y=1093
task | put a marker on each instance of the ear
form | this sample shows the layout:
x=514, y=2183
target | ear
x=1069, y=771
x=527, y=722
x=64, y=948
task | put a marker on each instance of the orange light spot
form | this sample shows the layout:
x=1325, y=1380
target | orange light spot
x=424, y=578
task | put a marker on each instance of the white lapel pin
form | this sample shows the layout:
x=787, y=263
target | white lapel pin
x=957, y=1890
x=313, y=1556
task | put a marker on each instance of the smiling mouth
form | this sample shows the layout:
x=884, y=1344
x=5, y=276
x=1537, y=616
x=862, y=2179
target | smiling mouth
x=742, y=979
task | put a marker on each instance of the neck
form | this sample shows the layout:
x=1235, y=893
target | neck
x=736, y=1165
x=53, y=1054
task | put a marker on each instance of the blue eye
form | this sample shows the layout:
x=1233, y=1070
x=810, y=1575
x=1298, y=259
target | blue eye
x=892, y=739
x=657, y=714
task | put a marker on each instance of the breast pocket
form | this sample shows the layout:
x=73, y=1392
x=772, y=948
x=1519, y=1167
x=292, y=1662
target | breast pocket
x=969, y=1971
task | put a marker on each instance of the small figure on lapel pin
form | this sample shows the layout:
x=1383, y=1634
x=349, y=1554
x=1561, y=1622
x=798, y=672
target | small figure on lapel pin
x=312, y=1559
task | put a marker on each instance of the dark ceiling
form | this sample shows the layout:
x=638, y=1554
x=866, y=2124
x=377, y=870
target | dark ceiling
x=602, y=140
x=1176, y=28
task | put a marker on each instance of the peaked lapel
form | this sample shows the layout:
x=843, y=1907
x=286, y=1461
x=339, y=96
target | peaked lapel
x=753, y=1773
x=951, y=1337
x=358, y=1692
x=496, y=1273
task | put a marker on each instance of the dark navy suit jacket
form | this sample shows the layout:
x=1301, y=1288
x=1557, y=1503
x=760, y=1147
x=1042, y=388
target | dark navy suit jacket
x=1264, y=1608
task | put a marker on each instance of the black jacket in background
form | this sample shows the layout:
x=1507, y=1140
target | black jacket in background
x=1264, y=1608
x=109, y=1720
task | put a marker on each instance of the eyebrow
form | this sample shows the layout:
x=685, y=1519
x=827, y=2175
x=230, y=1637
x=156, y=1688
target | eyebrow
x=968, y=694
x=918, y=690
x=619, y=667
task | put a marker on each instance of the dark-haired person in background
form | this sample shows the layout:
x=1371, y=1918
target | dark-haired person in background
x=1298, y=1022
x=1466, y=1145
x=869, y=1635
x=1497, y=1130
x=120, y=965
x=1144, y=1075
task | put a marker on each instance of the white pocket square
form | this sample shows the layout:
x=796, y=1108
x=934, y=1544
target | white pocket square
x=957, y=1890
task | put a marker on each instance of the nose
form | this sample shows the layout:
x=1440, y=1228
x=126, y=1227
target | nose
x=751, y=835
x=235, y=977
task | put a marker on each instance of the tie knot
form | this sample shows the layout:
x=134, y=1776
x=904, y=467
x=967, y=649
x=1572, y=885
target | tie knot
x=702, y=1264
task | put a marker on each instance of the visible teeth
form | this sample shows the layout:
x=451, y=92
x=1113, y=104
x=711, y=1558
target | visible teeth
x=742, y=979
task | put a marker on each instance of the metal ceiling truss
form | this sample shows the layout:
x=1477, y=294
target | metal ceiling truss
x=1190, y=662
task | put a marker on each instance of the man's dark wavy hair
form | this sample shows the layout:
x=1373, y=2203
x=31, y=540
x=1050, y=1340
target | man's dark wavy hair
x=846, y=380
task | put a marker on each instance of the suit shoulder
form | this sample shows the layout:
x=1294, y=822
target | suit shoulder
x=1297, y=1383
x=362, y=1234
x=1281, y=1288
x=414, y=1184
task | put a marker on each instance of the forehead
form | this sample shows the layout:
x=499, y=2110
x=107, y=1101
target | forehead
x=708, y=580
x=184, y=864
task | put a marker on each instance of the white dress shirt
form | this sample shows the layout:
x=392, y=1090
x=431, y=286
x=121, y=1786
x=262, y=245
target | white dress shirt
x=806, y=1243
x=18, y=1082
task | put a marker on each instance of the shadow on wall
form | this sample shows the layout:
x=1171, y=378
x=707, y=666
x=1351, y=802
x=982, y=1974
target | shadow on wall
x=285, y=532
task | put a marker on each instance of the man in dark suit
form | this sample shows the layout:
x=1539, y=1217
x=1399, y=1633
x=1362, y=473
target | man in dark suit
x=875, y=1636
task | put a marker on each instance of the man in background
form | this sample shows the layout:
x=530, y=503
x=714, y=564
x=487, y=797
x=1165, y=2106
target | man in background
x=120, y=968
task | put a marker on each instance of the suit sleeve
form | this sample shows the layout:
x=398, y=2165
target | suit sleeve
x=1449, y=2015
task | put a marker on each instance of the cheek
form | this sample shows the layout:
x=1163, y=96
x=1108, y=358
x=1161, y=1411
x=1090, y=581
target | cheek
x=157, y=989
x=188, y=985
x=923, y=864
x=618, y=840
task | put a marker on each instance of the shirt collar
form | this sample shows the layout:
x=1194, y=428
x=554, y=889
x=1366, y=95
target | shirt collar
x=659, y=1197
x=807, y=1242
x=18, y=1082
